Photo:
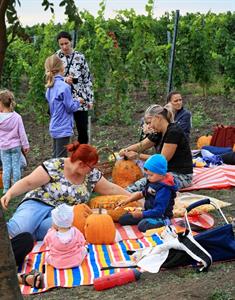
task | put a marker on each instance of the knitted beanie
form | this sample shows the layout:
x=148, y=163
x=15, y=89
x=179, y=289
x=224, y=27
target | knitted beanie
x=62, y=215
x=156, y=164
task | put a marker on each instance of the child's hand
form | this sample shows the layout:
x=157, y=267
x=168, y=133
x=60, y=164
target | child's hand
x=26, y=150
x=137, y=213
x=122, y=203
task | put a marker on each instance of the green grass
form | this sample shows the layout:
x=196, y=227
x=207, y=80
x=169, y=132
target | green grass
x=220, y=294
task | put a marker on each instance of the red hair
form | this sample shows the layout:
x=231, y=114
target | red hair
x=84, y=152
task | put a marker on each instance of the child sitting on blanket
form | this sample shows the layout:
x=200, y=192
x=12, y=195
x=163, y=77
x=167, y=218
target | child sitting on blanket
x=159, y=194
x=65, y=242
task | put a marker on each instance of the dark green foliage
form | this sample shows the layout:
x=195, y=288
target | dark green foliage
x=127, y=54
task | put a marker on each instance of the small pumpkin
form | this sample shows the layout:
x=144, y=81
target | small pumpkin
x=126, y=172
x=100, y=229
x=204, y=140
x=108, y=202
x=81, y=212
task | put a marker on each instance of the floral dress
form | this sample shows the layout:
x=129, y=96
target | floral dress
x=59, y=190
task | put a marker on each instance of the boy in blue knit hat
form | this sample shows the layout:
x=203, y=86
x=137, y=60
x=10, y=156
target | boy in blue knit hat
x=159, y=194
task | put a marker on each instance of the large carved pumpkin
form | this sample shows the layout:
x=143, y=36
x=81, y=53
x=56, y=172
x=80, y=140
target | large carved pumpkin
x=126, y=172
x=204, y=140
x=81, y=212
x=100, y=229
x=108, y=202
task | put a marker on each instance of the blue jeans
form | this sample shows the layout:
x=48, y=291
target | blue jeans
x=181, y=180
x=143, y=223
x=10, y=166
x=31, y=216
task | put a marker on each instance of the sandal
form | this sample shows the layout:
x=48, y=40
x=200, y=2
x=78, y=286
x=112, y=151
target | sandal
x=37, y=278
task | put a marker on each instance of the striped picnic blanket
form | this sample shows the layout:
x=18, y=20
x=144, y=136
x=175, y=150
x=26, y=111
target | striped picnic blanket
x=98, y=256
x=122, y=233
x=219, y=177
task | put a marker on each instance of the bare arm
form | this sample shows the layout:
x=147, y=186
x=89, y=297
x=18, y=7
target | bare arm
x=168, y=150
x=133, y=151
x=105, y=187
x=34, y=180
x=143, y=156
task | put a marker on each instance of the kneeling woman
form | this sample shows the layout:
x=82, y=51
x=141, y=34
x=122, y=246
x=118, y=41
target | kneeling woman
x=173, y=145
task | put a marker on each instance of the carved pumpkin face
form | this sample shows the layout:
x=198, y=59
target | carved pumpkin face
x=100, y=229
x=126, y=172
x=81, y=212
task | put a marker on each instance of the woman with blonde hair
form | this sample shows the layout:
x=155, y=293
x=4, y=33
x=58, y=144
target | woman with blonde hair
x=173, y=145
x=61, y=105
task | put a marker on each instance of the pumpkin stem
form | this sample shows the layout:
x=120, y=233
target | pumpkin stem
x=100, y=209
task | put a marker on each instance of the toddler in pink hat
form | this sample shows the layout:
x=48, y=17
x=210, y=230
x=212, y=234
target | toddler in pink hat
x=65, y=242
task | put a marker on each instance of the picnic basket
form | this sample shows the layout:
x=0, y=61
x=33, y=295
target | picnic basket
x=107, y=159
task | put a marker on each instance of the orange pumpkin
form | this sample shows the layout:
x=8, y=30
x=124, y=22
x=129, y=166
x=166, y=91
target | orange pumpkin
x=204, y=140
x=81, y=212
x=108, y=202
x=126, y=172
x=1, y=183
x=100, y=229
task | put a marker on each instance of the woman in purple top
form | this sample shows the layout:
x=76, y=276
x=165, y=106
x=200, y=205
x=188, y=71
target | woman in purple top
x=12, y=139
x=61, y=105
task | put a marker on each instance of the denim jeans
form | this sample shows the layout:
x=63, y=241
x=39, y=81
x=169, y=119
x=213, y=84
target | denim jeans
x=10, y=166
x=31, y=216
x=181, y=180
x=143, y=223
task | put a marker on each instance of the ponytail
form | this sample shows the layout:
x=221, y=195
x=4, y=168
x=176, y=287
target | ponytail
x=165, y=111
x=53, y=66
x=50, y=79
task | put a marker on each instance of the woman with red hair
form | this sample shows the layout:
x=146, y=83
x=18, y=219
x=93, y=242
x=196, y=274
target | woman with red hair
x=68, y=180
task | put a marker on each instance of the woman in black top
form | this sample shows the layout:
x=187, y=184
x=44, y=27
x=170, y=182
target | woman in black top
x=173, y=145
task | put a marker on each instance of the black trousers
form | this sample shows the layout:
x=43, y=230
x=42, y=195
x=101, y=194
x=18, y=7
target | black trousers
x=81, y=120
x=22, y=244
x=59, y=147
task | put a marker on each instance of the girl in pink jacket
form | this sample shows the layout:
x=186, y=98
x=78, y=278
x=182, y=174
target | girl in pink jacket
x=12, y=139
x=65, y=242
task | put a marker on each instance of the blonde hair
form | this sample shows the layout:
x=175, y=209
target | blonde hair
x=7, y=99
x=53, y=65
x=165, y=111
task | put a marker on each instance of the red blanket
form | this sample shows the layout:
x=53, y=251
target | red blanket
x=219, y=177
